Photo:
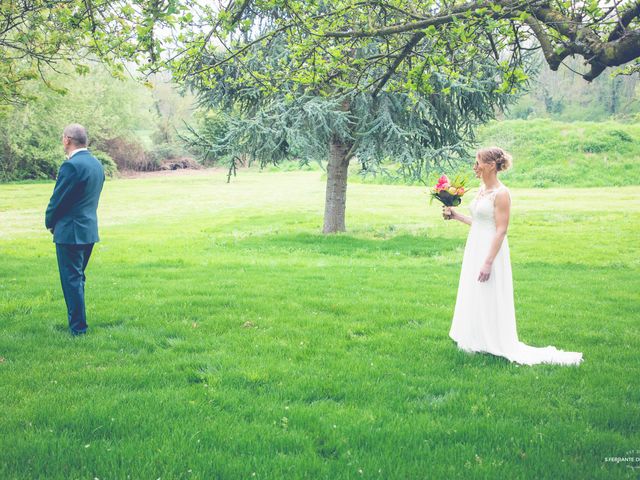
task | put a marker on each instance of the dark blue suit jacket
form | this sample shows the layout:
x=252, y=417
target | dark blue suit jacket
x=72, y=210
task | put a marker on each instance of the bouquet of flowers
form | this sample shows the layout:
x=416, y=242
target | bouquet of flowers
x=449, y=192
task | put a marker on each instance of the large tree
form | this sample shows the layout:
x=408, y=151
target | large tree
x=416, y=132
x=290, y=93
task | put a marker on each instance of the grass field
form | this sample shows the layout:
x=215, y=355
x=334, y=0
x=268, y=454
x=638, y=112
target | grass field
x=229, y=339
x=548, y=153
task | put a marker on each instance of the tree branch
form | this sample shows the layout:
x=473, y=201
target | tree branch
x=613, y=54
x=455, y=12
x=625, y=19
x=553, y=59
x=405, y=51
x=238, y=15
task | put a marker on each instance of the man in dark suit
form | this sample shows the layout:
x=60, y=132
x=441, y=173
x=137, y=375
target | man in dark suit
x=72, y=218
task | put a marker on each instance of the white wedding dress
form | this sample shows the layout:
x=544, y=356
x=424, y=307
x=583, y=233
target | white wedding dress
x=484, y=319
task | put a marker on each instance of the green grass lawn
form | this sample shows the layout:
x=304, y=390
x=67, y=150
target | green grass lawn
x=230, y=339
x=549, y=153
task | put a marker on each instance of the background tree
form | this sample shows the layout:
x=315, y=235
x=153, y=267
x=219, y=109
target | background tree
x=131, y=124
x=108, y=107
x=563, y=95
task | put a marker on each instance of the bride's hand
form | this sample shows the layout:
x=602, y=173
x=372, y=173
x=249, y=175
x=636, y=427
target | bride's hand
x=485, y=272
x=447, y=213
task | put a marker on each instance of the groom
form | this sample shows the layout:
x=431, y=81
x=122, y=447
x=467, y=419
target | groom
x=71, y=218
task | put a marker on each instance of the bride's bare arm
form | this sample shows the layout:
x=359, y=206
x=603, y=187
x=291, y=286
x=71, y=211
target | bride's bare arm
x=449, y=213
x=502, y=212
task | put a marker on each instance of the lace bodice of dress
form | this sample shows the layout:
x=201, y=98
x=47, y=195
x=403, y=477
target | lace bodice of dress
x=482, y=207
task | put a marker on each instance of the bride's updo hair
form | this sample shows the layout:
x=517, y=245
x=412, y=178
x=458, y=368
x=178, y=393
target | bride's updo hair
x=497, y=155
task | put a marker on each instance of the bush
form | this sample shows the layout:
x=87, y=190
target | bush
x=179, y=164
x=621, y=135
x=38, y=167
x=167, y=151
x=110, y=167
x=28, y=158
x=30, y=146
x=128, y=154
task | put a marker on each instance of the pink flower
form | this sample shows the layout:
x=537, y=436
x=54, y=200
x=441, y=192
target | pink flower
x=443, y=180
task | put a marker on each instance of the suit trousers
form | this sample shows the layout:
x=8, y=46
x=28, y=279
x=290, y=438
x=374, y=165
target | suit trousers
x=72, y=262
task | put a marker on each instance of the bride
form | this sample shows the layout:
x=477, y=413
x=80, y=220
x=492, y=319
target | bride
x=484, y=318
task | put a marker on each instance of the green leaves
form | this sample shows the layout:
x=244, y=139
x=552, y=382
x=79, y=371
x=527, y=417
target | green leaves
x=338, y=45
x=37, y=34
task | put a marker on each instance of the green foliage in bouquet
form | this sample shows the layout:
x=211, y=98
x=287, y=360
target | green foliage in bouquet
x=449, y=192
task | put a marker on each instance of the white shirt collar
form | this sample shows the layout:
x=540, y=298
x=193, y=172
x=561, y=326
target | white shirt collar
x=76, y=151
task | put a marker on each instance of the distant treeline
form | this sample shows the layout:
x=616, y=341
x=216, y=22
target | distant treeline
x=130, y=126
x=565, y=96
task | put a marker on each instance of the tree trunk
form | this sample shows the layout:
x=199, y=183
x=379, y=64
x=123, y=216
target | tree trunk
x=336, y=198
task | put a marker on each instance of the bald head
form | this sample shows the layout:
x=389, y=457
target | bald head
x=76, y=134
